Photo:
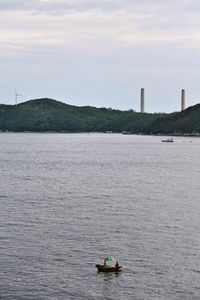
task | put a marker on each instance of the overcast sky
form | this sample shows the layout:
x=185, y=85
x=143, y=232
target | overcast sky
x=101, y=52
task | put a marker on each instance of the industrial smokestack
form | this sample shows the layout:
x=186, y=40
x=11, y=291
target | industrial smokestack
x=142, y=109
x=182, y=99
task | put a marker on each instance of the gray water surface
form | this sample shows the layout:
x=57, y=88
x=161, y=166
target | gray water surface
x=69, y=200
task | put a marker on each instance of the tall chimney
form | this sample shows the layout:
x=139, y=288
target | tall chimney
x=142, y=109
x=182, y=99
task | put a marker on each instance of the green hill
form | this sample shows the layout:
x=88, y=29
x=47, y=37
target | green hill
x=50, y=115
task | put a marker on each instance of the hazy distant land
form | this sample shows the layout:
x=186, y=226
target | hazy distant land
x=47, y=115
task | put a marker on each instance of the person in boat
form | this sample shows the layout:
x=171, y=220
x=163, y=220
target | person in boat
x=117, y=264
x=104, y=263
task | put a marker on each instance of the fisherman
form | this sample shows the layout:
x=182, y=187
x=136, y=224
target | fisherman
x=117, y=264
x=104, y=263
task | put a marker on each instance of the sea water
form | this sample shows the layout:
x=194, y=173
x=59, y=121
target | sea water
x=69, y=200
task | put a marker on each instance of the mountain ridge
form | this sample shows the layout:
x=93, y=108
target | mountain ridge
x=45, y=114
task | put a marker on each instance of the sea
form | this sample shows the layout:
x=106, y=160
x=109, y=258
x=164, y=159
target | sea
x=67, y=201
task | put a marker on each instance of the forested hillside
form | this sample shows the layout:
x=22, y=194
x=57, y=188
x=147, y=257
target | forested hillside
x=50, y=115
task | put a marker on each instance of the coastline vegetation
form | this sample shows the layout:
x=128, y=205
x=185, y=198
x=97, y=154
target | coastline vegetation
x=48, y=115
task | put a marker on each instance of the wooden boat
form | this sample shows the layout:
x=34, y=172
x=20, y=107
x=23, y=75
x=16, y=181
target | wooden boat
x=108, y=269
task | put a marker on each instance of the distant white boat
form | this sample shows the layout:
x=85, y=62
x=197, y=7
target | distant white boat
x=170, y=140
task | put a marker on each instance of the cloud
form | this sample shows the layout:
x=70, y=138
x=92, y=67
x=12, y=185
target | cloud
x=107, y=37
x=62, y=6
x=124, y=23
x=97, y=26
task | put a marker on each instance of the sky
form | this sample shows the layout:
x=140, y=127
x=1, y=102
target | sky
x=101, y=52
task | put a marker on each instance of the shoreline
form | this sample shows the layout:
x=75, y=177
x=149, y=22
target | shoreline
x=123, y=133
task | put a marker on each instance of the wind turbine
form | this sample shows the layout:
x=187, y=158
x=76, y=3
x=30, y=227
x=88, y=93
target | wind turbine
x=16, y=96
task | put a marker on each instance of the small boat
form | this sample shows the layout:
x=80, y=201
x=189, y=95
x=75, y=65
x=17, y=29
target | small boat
x=170, y=140
x=108, y=269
